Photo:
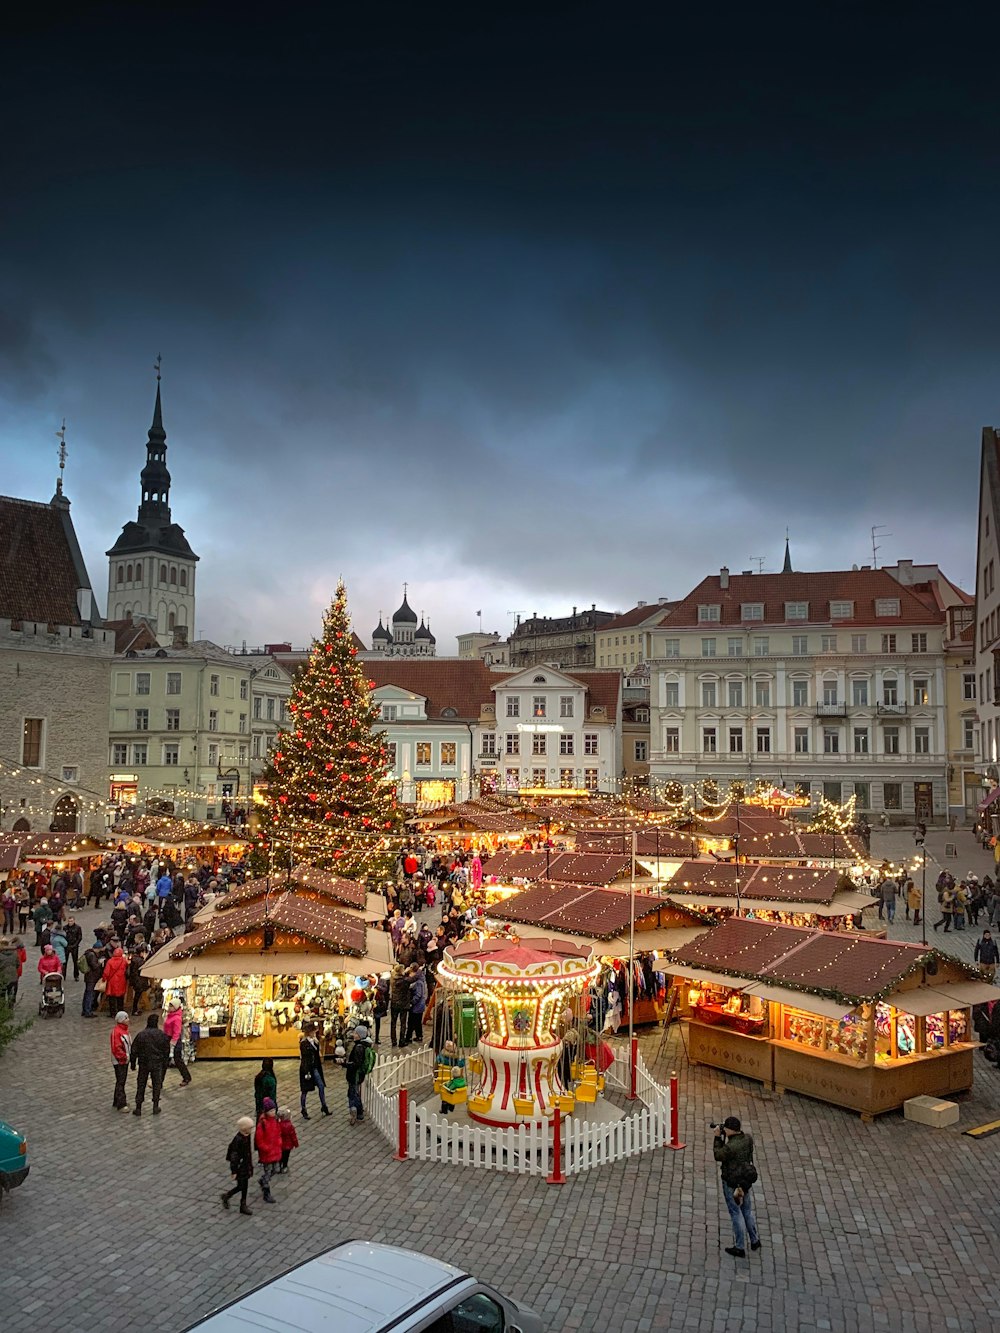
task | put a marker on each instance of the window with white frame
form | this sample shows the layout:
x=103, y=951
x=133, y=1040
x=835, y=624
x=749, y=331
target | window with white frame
x=708, y=694
x=708, y=739
x=968, y=734
x=800, y=694
x=388, y=712
x=489, y=743
x=708, y=647
x=888, y=643
x=255, y=744
x=590, y=779
x=841, y=610
x=672, y=740
x=390, y=753
x=213, y=719
x=513, y=706
x=859, y=693
x=734, y=646
x=172, y=754
x=140, y=751
x=173, y=682
x=796, y=610
x=762, y=693
x=831, y=740
x=641, y=749
x=709, y=612
x=270, y=708
x=142, y=719
x=761, y=645
x=800, y=645
x=921, y=740
x=828, y=643
x=423, y=754
x=245, y=688
x=538, y=705
x=173, y=719
x=671, y=694
x=763, y=740
x=213, y=752
x=752, y=611
x=918, y=643
x=142, y=679
x=565, y=705
x=671, y=647
x=538, y=745
x=859, y=643
x=735, y=740
x=968, y=685
x=243, y=722
x=892, y=795
x=887, y=606
x=258, y=704
x=921, y=691
x=860, y=740
x=213, y=684
x=591, y=742
x=829, y=691
x=449, y=754
x=890, y=740
x=242, y=754
x=642, y=715
x=800, y=738
x=119, y=753
x=734, y=690
x=890, y=690
x=512, y=743
x=566, y=742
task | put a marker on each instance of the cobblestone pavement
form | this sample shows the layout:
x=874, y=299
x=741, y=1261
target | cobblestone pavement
x=889, y=1226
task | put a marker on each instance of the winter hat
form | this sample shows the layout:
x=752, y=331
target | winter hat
x=731, y=1122
x=361, y=1031
x=121, y=1016
x=268, y=1104
x=284, y=1114
x=244, y=1123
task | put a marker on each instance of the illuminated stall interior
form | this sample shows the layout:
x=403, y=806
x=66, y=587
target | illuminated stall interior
x=792, y=896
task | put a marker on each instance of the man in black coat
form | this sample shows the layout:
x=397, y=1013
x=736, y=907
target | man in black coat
x=74, y=938
x=151, y=1052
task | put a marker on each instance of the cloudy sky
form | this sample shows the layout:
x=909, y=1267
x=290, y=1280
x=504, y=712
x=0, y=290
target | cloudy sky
x=527, y=305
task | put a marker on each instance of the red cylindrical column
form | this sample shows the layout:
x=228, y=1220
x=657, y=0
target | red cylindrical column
x=633, y=1061
x=675, y=1141
x=403, y=1130
x=557, y=1177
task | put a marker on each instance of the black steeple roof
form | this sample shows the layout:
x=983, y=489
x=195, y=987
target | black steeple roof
x=405, y=615
x=153, y=530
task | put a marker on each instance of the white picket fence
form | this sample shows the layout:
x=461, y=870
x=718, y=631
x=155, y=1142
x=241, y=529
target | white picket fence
x=525, y=1149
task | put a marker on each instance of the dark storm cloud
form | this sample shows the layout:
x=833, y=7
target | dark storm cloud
x=529, y=308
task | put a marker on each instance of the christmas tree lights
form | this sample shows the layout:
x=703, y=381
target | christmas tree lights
x=330, y=796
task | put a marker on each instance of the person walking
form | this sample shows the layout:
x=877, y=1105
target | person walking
x=265, y=1085
x=889, y=889
x=946, y=898
x=41, y=916
x=23, y=910
x=733, y=1150
x=74, y=938
x=987, y=955
x=93, y=966
x=151, y=1053
x=9, y=903
x=173, y=1026
x=289, y=1139
x=120, y=1051
x=399, y=1005
x=311, y=1070
x=913, y=901
x=239, y=1155
x=13, y=956
x=356, y=1069
x=116, y=980
x=267, y=1141
x=418, y=1003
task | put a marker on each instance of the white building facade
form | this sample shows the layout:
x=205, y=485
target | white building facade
x=833, y=683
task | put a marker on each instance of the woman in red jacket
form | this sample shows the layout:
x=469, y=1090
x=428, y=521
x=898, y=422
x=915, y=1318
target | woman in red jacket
x=115, y=976
x=267, y=1141
x=49, y=962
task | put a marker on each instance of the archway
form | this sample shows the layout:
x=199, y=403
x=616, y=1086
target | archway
x=65, y=815
x=22, y=826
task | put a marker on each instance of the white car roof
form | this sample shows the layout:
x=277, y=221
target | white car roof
x=359, y=1287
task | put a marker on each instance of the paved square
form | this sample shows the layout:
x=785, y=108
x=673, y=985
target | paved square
x=890, y=1226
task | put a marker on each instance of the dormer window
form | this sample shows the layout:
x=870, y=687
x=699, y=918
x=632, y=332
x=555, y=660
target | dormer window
x=796, y=610
x=752, y=611
x=887, y=606
x=709, y=612
x=841, y=610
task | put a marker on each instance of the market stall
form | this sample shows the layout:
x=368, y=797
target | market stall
x=308, y=883
x=209, y=844
x=854, y=1021
x=791, y=896
x=251, y=976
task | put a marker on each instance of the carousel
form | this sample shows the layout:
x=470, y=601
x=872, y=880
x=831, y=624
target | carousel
x=535, y=1050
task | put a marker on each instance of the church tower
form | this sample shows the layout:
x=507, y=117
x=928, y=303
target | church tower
x=151, y=566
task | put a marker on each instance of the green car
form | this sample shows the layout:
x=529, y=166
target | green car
x=13, y=1157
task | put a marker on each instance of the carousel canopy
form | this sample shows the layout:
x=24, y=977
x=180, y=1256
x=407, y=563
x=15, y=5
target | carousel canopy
x=848, y=968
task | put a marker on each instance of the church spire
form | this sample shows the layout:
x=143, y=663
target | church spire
x=155, y=478
x=786, y=568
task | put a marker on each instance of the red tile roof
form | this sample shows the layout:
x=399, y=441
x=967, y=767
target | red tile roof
x=578, y=867
x=639, y=615
x=664, y=842
x=581, y=909
x=40, y=571
x=860, y=586
x=344, y=891
x=315, y=921
x=129, y=634
x=464, y=684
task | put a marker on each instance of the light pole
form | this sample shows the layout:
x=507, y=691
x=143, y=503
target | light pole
x=923, y=894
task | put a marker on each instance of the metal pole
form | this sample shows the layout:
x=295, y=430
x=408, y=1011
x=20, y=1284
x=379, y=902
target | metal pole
x=923, y=895
x=631, y=949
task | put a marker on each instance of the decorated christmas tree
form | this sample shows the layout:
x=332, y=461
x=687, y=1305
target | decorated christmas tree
x=330, y=800
x=832, y=817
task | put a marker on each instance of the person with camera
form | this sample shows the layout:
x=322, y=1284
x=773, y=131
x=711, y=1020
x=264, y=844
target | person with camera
x=734, y=1151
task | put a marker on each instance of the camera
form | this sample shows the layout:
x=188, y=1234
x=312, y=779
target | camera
x=713, y=1125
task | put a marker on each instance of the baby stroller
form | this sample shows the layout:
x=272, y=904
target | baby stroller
x=53, y=999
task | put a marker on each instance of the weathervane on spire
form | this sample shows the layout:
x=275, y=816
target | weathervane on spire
x=156, y=366
x=61, y=437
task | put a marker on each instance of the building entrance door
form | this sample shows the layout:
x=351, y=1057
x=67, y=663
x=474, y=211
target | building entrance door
x=923, y=800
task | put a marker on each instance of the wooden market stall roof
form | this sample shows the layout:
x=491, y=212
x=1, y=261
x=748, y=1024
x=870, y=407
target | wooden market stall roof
x=849, y=968
x=160, y=831
x=317, y=922
x=346, y=892
x=771, y=888
x=649, y=842
x=595, y=868
x=18, y=847
x=602, y=916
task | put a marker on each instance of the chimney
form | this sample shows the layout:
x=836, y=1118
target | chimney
x=574, y=610
x=180, y=639
x=640, y=603
x=662, y=601
x=724, y=577
x=593, y=606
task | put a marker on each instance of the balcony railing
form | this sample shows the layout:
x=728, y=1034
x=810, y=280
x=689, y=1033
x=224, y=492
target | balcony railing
x=832, y=710
x=891, y=710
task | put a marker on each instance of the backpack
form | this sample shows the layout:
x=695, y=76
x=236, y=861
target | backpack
x=371, y=1055
x=746, y=1176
